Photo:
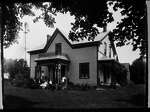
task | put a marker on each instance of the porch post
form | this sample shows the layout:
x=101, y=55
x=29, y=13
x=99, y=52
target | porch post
x=56, y=73
x=49, y=77
x=59, y=73
x=67, y=73
x=37, y=69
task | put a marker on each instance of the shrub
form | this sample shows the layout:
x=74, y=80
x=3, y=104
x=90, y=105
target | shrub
x=138, y=71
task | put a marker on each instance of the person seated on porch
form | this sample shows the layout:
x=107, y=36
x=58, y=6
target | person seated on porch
x=45, y=83
x=50, y=85
x=64, y=82
x=50, y=82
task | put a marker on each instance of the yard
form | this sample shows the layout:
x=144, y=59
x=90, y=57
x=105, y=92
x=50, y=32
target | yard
x=125, y=97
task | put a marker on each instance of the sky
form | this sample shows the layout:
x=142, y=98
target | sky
x=37, y=36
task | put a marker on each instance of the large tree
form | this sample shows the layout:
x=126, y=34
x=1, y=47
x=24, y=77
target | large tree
x=87, y=14
x=131, y=30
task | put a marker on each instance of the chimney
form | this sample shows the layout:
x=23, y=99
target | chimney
x=105, y=28
x=48, y=37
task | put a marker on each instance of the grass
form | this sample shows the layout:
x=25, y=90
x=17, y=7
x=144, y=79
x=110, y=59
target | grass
x=124, y=97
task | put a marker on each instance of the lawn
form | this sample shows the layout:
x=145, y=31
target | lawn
x=125, y=97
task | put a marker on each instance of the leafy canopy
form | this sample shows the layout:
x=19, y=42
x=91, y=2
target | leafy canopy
x=87, y=14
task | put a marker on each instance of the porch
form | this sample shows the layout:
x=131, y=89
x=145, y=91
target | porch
x=51, y=67
x=111, y=72
x=106, y=69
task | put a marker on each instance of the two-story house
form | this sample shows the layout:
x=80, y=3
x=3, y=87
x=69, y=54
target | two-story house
x=78, y=61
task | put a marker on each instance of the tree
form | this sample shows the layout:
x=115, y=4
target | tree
x=138, y=71
x=11, y=25
x=17, y=69
x=88, y=15
x=133, y=29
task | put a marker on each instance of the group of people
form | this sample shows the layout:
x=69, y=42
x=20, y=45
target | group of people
x=45, y=83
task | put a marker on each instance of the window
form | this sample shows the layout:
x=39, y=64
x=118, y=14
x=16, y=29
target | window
x=58, y=48
x=105, y=49
x=83, y=70
x=109, y=51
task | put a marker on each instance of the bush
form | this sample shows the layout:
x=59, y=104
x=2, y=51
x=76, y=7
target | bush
x=17, y=67
x=73, y=86
x=138, y=71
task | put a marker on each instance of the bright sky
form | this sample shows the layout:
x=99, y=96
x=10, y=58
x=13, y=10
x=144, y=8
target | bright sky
x=37, y=37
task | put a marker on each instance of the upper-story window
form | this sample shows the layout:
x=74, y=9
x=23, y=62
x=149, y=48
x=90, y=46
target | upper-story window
x=105, y=48
x=58, y=48
x=110, y=49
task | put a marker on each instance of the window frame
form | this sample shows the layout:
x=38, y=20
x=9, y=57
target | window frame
x=81, y=72
x=105, y=48
x=58, y=48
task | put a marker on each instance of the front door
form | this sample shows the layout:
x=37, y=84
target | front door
x=56, y=72
x=63, y=69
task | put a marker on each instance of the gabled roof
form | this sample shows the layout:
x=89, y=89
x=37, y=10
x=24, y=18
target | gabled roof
x=54, y=57
x=72, y=45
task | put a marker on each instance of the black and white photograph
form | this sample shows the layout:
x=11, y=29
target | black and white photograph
x=74, y=54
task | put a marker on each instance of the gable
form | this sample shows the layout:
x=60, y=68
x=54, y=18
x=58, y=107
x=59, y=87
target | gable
x=55, y=34
x=73, y=46
x=107, y=50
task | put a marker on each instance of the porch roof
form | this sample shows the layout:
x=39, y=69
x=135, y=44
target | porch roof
x=52, y=58
x=105, y=58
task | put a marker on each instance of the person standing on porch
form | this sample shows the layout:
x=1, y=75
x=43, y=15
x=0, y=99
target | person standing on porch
x=42, y=76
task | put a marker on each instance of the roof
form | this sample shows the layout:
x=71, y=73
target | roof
x=73, y=45
x=54, y=57
x=105, y=58
x=99, y=37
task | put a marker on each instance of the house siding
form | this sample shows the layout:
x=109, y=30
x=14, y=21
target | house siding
x=101, y=55
x=82, y=55
x=78, y=56
x=102, y=47
x=33, y=64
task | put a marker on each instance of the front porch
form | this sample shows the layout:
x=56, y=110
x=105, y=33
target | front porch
x=51, y=68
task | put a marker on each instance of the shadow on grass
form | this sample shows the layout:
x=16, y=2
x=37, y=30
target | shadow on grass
x=15, y=102
x=138, y=100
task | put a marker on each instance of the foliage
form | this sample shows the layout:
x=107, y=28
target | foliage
x=17, y=69
x=72, y=86
x=11, y=15
x=138, y=71
x=88, y=14
x=133, y=28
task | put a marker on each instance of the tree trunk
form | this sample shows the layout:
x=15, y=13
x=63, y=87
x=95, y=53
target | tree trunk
x=1, y=62
x=148, y=31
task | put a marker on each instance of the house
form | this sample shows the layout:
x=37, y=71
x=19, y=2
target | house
x=78, y=61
